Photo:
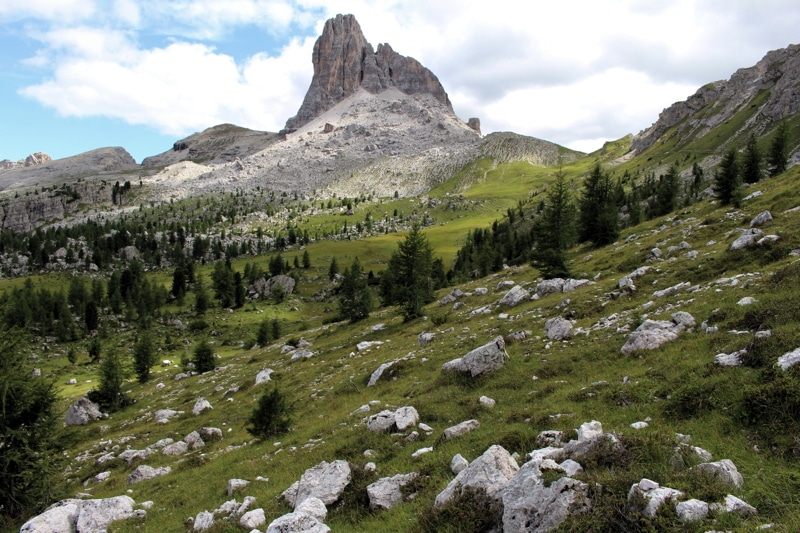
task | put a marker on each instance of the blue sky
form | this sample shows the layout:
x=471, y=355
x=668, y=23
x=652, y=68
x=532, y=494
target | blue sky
x=82, y=74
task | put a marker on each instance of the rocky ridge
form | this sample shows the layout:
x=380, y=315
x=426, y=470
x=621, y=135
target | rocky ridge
x=219, y=144
x=101, y=161
x=32, y=160
x=778, y=72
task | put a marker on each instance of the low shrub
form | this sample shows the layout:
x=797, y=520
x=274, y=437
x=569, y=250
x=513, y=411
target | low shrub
x=271, y=417
x=472, y=511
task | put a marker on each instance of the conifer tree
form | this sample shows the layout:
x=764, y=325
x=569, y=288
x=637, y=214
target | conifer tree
x=777, y=159
x=203, y=357
x=264, y=333
x=667, y=192
x=333, y=269
x=29, y=434
x=598, y=220
x=355, y=299
x=407, y=279
x=271, y=417
x=201, y=299
x=751, y=170
x=112, y=375
x=727, y=180
x=555, y=230
x=143, y=357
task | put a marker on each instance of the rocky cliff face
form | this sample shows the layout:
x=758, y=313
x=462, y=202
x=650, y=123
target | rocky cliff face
x=778, y=72
x=344, y=62
x=34, y=209
x=31, y=161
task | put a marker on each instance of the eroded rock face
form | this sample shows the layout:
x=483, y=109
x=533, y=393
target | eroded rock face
x=345, y=62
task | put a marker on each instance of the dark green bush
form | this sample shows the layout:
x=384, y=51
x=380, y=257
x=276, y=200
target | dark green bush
x=271, y=417
x=437, y=319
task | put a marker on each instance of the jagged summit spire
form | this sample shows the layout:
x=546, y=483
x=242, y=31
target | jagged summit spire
x=344, y=61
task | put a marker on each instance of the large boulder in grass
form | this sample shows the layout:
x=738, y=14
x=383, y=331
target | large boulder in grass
x=761, y=219
x=96, y=515
x=387, y=492
x=490, y=472
x=297, y=523
x=58, y=518
x=550, y=286
x=461, y=429
x=529, y=505
x=82, y=412
x=748, y=238
x=558, y=329
x=482, y=360
x=286, y=284
x=81, y=516
x=724, y=470
x=654, y=494
x=515, y=296
x=325, y=481
x=144, y=472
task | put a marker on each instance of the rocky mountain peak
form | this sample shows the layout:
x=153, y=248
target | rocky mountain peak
x=345, y=62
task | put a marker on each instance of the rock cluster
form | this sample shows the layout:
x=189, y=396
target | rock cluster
x=82, y=516
x=652, y=334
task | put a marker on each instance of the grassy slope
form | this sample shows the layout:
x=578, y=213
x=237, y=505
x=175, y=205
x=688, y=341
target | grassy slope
x=570, y=375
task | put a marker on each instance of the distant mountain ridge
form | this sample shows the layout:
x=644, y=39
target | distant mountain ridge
x=379, y=122
x=772, y=85
x=217, y=144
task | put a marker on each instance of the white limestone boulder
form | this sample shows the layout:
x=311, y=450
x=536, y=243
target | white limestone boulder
x=490, y=472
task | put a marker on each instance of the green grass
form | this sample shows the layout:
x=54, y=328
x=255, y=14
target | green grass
x=676, y=386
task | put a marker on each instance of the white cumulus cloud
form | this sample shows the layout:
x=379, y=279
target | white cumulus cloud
x=180, y=88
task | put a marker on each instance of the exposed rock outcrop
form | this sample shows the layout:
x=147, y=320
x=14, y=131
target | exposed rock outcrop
x=344, y=62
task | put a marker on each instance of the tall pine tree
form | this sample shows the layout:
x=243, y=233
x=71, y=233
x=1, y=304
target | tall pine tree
x=751, y=170
x=407, y=279
x=727, y=180
x=777, y=159
x=355, y=299
x=598, y=220
x=555, y=230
